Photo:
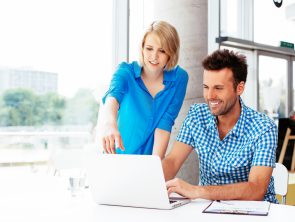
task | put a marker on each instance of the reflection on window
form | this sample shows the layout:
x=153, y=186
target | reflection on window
x=55, y=57
x=273, y=86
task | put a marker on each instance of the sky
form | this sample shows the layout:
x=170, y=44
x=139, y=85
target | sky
x=68, y=37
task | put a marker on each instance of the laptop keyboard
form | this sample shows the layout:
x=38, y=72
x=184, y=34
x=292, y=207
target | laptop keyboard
x=172, y=201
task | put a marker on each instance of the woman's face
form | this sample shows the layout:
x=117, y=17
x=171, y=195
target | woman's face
x=154, y=56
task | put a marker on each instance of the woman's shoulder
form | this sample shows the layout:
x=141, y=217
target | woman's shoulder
x=126, y=65
x=128, y=68
x=180, y=73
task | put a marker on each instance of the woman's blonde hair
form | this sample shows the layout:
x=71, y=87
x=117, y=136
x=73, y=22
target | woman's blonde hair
x=169, y=40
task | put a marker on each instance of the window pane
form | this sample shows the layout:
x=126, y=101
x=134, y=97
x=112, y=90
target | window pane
x=270, y=23
x=229, y=18
x=273, y=86
x=141, y=15
x=55, y=57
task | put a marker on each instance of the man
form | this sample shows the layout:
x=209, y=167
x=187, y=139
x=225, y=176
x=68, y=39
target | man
x=235, y=144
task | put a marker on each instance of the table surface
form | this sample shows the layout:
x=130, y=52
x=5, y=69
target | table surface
x=49, y=199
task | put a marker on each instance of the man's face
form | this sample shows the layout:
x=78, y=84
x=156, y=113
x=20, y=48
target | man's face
x=219, y=91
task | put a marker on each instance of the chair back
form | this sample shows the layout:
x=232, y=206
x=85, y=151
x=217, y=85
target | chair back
x=281, y=176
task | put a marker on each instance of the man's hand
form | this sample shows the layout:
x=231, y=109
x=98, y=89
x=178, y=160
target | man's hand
x=183, y=188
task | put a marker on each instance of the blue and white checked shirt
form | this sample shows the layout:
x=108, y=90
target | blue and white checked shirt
x=252, y=142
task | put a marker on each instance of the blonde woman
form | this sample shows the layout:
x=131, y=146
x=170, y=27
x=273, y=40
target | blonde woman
x=144, y=98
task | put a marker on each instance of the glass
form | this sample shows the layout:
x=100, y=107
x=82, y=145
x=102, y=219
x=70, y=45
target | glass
x=229, y=18
x=77, y=184
x=270, y=23
x=273, y=86
x=54, y=65
x=141, y=15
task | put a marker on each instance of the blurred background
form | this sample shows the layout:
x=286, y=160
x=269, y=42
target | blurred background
x=57, y=58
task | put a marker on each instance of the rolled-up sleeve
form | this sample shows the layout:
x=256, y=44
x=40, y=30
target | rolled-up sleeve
x=265, y=150
x=119, y=84
x=185, y=134
x=167, y=121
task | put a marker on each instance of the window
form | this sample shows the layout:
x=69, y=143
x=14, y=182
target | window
x=271, y=24
x=273, y=93
x=256, y=28
x=141, y=15
x=55, y=57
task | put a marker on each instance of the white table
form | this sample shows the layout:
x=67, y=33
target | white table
x=49, y=200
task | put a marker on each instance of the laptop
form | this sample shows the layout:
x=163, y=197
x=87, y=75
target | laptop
x=130, y=180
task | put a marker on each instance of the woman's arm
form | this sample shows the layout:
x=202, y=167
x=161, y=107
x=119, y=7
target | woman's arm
x=110, y=138
x=161, y=140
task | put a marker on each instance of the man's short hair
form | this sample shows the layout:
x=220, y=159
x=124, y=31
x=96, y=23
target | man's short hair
x=224, y=58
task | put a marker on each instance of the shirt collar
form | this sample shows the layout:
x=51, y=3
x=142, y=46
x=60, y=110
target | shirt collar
x=239, y=126
x=137, y=70
x=169, y=76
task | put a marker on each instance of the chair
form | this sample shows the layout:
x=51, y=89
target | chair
x=286, y=125
x=280, y=175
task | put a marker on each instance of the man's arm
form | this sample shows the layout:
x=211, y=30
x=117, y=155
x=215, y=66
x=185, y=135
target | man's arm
x=254, y=189
x=172, y=163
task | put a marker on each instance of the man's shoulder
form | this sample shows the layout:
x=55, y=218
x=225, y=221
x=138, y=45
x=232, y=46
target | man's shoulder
x=258, y=120
x=199, y=112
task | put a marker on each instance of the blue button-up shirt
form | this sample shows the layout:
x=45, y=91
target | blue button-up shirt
x=251, y=142
x=140, y=113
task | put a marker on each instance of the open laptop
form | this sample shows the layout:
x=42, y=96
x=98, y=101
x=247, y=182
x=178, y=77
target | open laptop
x=130, y=180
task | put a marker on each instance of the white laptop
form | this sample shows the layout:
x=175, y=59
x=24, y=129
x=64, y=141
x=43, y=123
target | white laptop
x=130, y=180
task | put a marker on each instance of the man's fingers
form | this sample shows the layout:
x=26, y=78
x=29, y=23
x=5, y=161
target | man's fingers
x=171, y=190
x=171, y=183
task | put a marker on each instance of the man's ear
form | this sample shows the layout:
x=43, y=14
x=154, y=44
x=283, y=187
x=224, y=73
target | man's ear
x=240, y=88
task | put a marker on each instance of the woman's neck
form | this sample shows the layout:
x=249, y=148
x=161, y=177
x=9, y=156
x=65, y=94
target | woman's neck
x=152, y=76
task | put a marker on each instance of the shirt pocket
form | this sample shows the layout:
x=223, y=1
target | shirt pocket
x=237, y=161
x=203, y=155
x=237, y=167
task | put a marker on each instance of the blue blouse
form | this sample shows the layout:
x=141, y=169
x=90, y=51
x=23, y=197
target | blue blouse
x=140, y=113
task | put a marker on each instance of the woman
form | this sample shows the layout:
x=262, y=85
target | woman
x=144, y=99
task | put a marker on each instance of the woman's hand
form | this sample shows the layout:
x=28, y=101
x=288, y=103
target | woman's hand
x=109, y=134
x=111, y=138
